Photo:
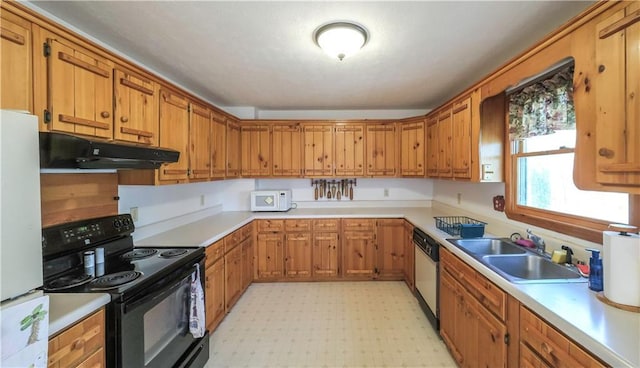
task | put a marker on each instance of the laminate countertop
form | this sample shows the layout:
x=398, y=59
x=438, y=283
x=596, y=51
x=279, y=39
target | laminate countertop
x=67, y=309
x=609, y=333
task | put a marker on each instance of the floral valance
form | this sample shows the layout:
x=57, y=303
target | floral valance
x=543, y=107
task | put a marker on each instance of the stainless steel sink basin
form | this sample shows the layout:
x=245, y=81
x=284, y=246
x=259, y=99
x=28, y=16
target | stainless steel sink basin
x=484, y=246
x=531, y=268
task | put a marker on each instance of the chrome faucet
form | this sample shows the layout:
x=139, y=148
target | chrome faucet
x=538, y=241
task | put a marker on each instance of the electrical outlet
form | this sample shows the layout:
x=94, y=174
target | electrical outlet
x=134, y=213
x=386, y=192
x=201, y=199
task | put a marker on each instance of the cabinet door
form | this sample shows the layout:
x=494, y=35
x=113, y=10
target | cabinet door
x=214, y=294
x=461, y=127
x=409, y=255
x=412, y=151
x=233, y=149
x=199, y=142
x=391, y=247
x=450, y=314
x=444, y=143
x=136, y=107
x=297, y=261
x=270, y=255
x=617, y=87
x=381, y=149
x=174, y=133
x=433, y=147
x=359, y=254
x=16, y=89
x=218, y=146
x=318, y=150
x=247, y=262
x=287, y=150
x=255, y=141
x=233, y=276
x=349, y=140
x=81, y=341
x=489, y=338
x=80, y=91
x=325, y=254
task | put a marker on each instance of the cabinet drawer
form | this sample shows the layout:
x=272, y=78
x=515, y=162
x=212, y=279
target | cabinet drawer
x=390, y=222
x=231, y=240
x=358, y=224
x=488, y=294
x=297, y=225
x=325, y=225
x=96, y=360
x=529, y=359
x=214, y=252
x=270, y=225
x=246, y=231
x=74, y=345
x=552, y=346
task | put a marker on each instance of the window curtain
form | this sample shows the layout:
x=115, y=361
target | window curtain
x=543, y=107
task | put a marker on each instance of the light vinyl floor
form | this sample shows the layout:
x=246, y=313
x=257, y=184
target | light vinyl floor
x=327, y=324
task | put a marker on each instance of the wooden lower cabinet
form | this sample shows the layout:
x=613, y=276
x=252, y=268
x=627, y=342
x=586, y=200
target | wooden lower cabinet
x=325, y=252
x=233, y=276
x=297, y=255
x=248, y=263
x=409, y=255
x=390, y=241
x=81, y=345
x=270, y=255
x=214, y=283
x=359, y=254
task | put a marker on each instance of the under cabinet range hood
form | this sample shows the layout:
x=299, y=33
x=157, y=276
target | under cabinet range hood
x=65, y=151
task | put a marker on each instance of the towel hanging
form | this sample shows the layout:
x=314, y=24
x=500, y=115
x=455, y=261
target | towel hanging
x=197, y=320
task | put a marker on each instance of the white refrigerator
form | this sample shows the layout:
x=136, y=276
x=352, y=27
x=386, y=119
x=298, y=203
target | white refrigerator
x=24, y=311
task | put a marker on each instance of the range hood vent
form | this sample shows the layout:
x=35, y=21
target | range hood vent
x=64, y=151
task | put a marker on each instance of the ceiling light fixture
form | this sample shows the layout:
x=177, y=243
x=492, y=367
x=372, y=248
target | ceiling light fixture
x=340, y=39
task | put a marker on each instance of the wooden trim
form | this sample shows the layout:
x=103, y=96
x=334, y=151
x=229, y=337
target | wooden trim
x=130, y=84
x=380, y=129
x=174, y=99
x=83, y=64
x=634, y=210
x=85, y=122
x=620, y=25
x=11, y=36
x=197, y=172
x=137, y=132
x=620, y=168
x=254, y=129
x=544, y=153
x=462, y=107
x=174, y=172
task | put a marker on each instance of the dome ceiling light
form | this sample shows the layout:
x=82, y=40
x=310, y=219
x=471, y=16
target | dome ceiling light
x=340, y=39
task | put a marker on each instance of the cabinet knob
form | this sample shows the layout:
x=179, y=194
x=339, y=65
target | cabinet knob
x=605, y=152
x=124, y=119
x=105, y=114
x=77, y=345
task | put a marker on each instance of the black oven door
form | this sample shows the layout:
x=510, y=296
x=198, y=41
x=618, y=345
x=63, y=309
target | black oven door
x=154, y=326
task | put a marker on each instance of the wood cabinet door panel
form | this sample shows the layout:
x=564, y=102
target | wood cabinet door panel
x=461, y=132
x=359, y=254
x=270, y=255
x=489, y=338
x=214, y=294
x=391, y=247
x=247, y=262
x=233, y=149
x=444, y=143
x=381, y=149
x=412, y=154
x=318, y=150
x=233, y=277
x=174, y=133
x=80, y=91
x=433, y=147
x=16, y=90
x=297, y=262
x=349, y=156
x=450, y=311
x=199, y=142
x=218, y=146
x=325, y=254
x=74, y=345
x=287, y=150
x=136, y=106
x=255, y=143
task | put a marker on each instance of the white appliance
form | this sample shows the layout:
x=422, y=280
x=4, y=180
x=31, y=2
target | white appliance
x=24, y=316
x=270, y=200
x=427, y=258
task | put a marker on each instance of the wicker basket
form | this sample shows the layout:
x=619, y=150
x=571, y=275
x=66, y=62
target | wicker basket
x=462, y=226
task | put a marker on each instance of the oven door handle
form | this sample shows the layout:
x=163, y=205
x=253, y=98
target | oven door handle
x=160, y=294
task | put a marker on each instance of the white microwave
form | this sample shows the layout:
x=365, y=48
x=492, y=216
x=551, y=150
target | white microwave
x=271, y=200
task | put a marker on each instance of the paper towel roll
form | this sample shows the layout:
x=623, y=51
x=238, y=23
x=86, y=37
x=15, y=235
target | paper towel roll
x=621, y=262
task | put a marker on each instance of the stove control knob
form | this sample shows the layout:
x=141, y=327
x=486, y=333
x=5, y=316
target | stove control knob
x=117, y=223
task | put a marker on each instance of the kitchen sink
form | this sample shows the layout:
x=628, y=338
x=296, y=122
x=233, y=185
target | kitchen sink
x=484, y=246
x=531, y=268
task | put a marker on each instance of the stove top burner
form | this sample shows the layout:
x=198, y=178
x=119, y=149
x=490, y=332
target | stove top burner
x=67, y=282
x=173, y=253
x=139, y=253
x=114, y=279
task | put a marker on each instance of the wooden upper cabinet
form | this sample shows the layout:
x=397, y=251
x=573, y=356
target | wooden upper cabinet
x=287, y=150
x=412, y=150
x=461, y=145
x=444, y=142
x=80, y=89
x=432, y=145
x=233, y=149
x=617, y=94
x=136, y=107
x=381, y=149
x=16, y=90
x=256, y=150
x=199, y=142
x=349, y=157
x=218, y=146
x=318, y=150
x=174, y=133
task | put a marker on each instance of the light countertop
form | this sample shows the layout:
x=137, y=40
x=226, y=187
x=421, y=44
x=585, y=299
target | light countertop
x=67, y=309
x=609, y=333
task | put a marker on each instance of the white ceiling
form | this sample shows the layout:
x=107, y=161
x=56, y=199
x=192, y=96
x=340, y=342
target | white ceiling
x=261, y=54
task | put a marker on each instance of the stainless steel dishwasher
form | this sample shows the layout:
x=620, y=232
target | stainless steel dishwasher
x=427, y=260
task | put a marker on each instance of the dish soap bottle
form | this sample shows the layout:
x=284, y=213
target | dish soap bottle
x=595, y=270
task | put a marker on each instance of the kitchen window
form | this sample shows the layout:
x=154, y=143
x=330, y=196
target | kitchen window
x=540, y=187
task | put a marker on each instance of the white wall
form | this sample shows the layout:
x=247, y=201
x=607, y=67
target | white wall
x=367, y=192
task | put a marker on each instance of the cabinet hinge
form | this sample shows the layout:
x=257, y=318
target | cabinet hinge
x=375, y=270
x=506, y=339
x=47, y=116
x=188, y=172
x=46, y=49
